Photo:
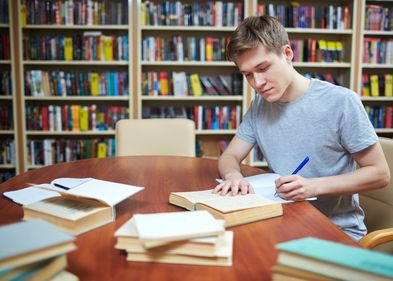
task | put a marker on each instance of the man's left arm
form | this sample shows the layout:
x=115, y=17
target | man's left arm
x=373, y=173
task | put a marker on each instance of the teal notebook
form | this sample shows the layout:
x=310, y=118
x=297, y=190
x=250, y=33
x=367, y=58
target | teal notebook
x=335, y=259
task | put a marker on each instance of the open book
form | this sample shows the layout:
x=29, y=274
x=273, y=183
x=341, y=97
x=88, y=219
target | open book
x=235, y=210
x=75, y=205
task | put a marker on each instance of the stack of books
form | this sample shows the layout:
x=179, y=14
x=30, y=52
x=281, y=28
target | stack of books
x=34, y=250
x=178, y=237
x=320, y=260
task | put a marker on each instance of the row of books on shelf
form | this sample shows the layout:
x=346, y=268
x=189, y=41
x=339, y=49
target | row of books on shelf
x=184, y=48
x=376, y=85
x=6, y=117
x=52, y=151
x=5, y=85
x=210, y=149
x=324, y=77
x=380, y=116
x=190, y=84
x=295, y=15
x=75, y=83
x=7, y=151
x=378, y=17
x=205, y=117
x=93, y=46
x=4, y=176
x=4, y=17
x=317, y=50
x=70, y=12
x=377, y=50
x=74, y=118
x=176, y=13
x=4, y=46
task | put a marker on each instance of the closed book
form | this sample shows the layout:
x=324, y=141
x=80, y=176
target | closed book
x=68, y=48
x=23, y=243
x=335, y=260
x=286, y=273
x=211, y=246
x=388, y=85
x=374, y=85
x=101, y=150
x=75, y=205
x=159, y=228
x=195, y=85
x=37, y=271
x=235, y=210
x=94, y=83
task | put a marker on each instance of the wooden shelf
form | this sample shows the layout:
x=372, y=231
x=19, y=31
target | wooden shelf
x=323, y=64
x=188, y=63
x=318, y=30
x=70, y=133
x=76, y=27
x=188, y=28
x=78, y=98
x=215, y=132
x=75, y=62
x=192, y=98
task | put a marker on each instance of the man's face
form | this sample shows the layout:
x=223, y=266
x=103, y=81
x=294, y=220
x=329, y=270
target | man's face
x=268, y=73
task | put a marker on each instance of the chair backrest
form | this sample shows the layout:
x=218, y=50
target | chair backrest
x=378, y=204
x=174, y=137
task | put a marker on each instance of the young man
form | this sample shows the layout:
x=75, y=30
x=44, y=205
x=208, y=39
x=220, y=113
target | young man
x=292, y=117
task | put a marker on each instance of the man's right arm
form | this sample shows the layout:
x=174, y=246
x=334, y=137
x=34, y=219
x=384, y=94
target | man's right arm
x=229, y=168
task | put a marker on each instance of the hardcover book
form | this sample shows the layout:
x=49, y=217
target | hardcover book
x=335, y=260
x=235, y=210
x=75, y=205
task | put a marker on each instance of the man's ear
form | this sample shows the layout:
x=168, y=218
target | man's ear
x=287, y=52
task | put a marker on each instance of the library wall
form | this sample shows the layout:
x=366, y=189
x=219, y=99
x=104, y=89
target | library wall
x=81, y=65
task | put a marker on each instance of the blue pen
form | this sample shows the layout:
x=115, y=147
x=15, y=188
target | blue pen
x=301, y=165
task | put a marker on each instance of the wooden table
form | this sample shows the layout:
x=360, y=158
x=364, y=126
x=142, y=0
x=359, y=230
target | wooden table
x=97, y=259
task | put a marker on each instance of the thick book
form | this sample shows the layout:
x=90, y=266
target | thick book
x=24, y=243
x=211, y=246
x=286, y=273
x=235, y=210
x=335, y=260
x=156, y=229
x=37, y=271
x=75, y=205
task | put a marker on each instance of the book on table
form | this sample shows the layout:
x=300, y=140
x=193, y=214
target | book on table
x=286, y=273
x=335, y=260
x=37, y=271
x=210, y=246
x=75, y=205
x=175, y=243
x=235, y=210
x=28, y=242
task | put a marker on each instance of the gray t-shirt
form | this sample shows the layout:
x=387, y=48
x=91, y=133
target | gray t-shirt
x=328, y=123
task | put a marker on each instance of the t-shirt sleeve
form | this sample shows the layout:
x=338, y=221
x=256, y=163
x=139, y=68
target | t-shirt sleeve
x=246, y=130
x=357, y=132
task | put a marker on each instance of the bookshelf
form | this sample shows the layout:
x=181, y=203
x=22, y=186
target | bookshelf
x=8, y=123
x=324, y=47
x=76, y=78
x=182, y=64
x=376, y=63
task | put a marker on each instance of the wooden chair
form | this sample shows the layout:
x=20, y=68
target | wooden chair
x=378, y=208
x=174, y=137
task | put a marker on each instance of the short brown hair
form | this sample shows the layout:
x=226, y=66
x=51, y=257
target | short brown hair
x=255, y=31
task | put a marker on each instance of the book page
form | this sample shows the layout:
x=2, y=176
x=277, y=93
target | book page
x=30, y=195
x=68, y=208
x=231, y=203
x=176, y=225
x=197, y=196
x=109, y=192
x=70, y=183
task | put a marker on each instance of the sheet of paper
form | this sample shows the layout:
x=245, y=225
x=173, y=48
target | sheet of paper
x=107, y=191
x=176, y=225
x=30, y=195
x=70, y=182
x=264, y=185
